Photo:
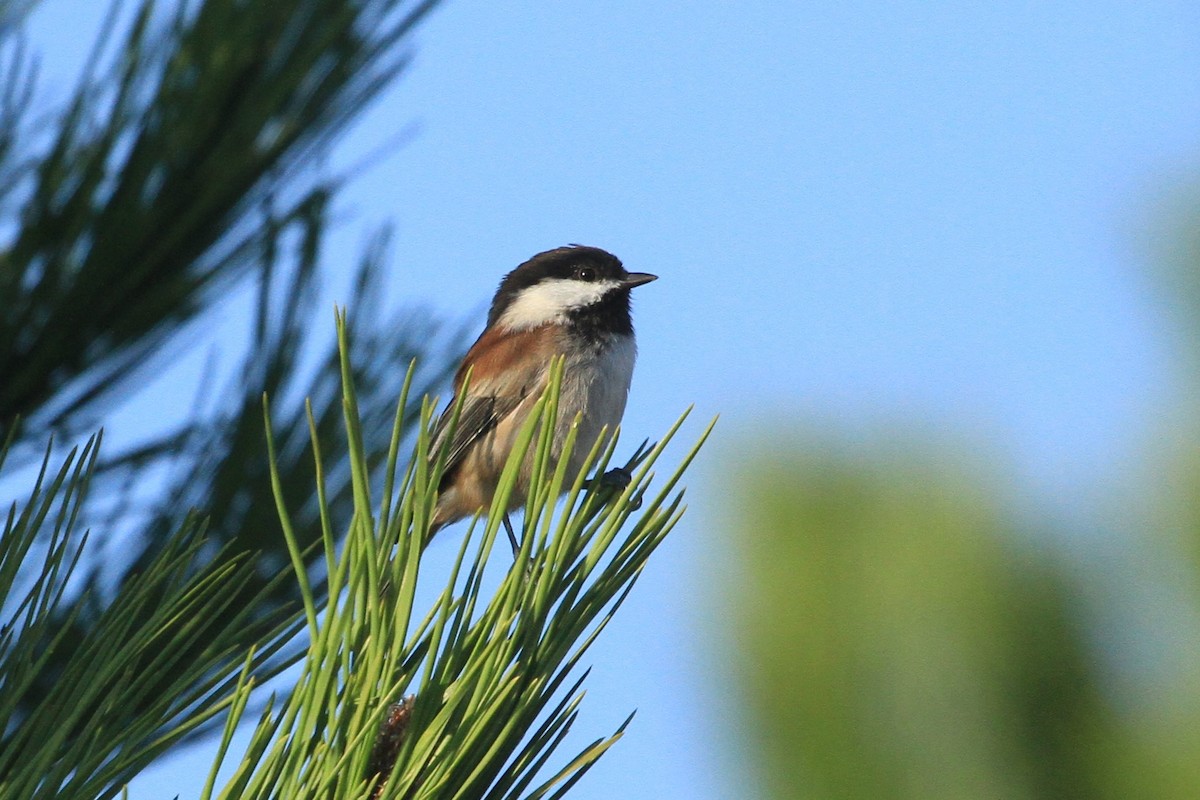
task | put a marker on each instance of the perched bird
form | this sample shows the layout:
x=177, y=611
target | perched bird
x=571, y=302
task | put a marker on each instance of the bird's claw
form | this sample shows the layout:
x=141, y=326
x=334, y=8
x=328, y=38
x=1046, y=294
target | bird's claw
x=617, y=478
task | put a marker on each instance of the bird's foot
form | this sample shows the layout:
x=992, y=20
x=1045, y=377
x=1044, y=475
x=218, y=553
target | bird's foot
x=618, y=479
x=512, y=537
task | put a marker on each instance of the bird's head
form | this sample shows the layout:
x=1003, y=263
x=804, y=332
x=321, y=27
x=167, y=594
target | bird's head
x=565, y=285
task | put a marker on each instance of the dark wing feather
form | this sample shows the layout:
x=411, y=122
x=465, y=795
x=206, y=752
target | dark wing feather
x=508, y=367
x=478, y=416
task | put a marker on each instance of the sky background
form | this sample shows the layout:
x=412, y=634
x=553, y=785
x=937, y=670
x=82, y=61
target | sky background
x=862, y=213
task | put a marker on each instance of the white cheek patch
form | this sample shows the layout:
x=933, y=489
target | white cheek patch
x=549, y=301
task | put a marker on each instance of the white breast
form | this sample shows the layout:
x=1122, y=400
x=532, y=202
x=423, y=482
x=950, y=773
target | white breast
x=596, y=384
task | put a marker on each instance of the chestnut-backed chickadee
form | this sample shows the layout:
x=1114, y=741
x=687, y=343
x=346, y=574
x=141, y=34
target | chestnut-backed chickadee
x=571, y=302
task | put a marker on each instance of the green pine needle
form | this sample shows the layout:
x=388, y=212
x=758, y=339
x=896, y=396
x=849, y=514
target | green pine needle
x=475, y=698
x=154, y=666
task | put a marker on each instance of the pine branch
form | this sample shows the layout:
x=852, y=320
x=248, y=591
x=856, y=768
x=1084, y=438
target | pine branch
x=181, y=168
x=145, y=206
x=133, y=684
x=473, y=698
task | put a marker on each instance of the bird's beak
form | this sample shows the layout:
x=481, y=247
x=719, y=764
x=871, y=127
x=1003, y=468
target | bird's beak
x=637, y=279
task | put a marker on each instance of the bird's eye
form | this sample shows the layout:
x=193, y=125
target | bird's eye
x=586, y=274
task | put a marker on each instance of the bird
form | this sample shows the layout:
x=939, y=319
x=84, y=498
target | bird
x=572, y=303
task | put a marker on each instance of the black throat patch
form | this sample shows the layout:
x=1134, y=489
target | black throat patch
x=601, y=320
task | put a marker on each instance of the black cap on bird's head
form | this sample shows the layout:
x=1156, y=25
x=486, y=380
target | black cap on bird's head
x=573, y=284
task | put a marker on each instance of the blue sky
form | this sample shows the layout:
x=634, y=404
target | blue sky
x=860, y=213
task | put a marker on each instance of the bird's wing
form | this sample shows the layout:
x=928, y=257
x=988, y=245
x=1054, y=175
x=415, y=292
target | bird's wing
x=507, y=370
x=479, y=415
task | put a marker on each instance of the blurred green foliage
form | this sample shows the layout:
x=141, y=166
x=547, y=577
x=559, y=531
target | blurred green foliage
x=185, y=174
x=901, y=632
